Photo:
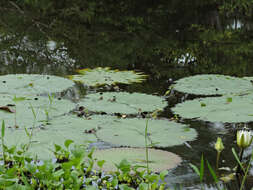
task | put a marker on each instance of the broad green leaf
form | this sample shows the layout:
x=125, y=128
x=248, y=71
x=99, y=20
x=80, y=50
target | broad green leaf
x=212, y=84
x=101, y=76
x=32, y=84
x=91, y=188
x=125, y=187
x=131, y=132
x=143, y=186
x=163, y=174
x=100, y=163
x=59, y=132
x=159, y=160
x=68, y=142
x=122, y=102
x=217, y=109
x=32, y=108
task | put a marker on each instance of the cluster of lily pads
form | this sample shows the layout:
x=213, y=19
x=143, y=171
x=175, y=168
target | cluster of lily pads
x=231, y=98
x=113, y=117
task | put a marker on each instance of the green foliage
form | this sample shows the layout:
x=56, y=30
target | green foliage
x=123, y=102
x=102, y=76
x=200, y=171
x=212, y=84
x=73, y=169
x=31, y=84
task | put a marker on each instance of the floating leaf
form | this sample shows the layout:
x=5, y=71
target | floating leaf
x=101, y=76
x=212, y=84
x=60, y=131
x=159, y=160
x=122, y=102
x=27, y=84
x=31, y=106
x=217, y=109
x=131, y=132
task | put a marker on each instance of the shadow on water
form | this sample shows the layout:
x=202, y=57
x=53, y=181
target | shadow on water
x=172, y=52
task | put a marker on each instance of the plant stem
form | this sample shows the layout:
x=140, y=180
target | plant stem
x=217, y=160
x=146, y=145
x=246, y=173
x=238, y=170
x=15, y=116
x=146, y=148
x=2, y=139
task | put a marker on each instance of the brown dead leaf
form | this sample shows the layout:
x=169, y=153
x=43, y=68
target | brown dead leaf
x=7, y=109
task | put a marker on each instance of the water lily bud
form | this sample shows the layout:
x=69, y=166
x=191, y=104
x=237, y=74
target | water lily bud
x=219, y=145
x=243, y=138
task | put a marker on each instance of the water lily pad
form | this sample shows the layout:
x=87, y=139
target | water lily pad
x=229, y=109
x=59, y=130
x=23, y=107
x=123, y=102
x=101, y=76
x=27, y=84
x=131, y=132
x=158, y=160
x=212, y=84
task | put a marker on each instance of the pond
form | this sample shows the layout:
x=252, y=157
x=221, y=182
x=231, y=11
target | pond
x=163, y=54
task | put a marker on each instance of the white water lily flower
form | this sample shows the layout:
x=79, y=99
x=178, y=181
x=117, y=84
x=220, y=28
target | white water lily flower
x=243, y=138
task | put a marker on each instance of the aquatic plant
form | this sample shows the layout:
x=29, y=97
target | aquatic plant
x=231, y=109
x=101, y=76
x=27, y=105
x=122, y=102
x=73, y=169
x=33, y=84
x=158, y=160
x=212, y=84
x=131, y=132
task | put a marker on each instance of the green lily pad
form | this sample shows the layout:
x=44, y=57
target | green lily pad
x=231, y=109
x=212, y=84
x=131, y=132
x=23, y=107
x=31, y=84
x=123, y=102
x=101, y=76
x=158, y=160
x=59, y=130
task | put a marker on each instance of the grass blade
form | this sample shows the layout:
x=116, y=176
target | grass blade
x=237, y=159
x=201, y=172
x=3, y=129
x=196, y=170
x=212, y=172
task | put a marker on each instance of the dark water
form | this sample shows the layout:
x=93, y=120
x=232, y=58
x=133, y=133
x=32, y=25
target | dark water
x=30, y=46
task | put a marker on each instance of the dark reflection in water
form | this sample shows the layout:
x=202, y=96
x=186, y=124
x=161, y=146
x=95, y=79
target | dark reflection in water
x=189, y=44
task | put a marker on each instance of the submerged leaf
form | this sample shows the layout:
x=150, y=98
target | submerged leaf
x=101, y=76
